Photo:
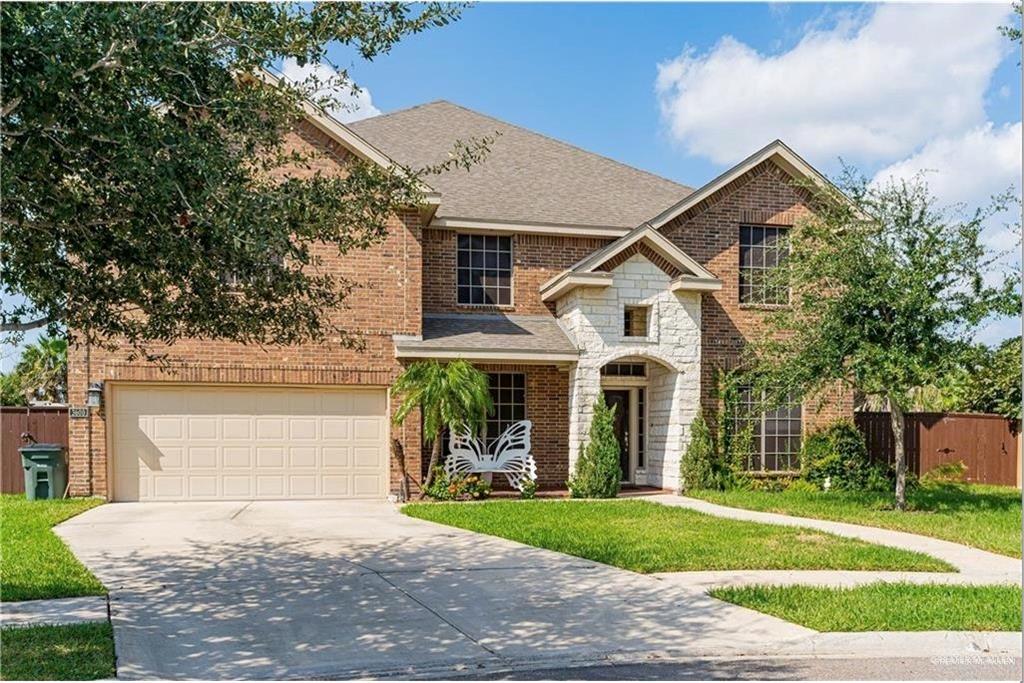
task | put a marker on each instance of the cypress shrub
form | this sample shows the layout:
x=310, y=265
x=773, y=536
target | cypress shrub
x=598, y=474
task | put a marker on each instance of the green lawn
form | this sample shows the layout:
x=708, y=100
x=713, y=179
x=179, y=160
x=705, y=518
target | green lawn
x=648, y=537
x=74, y=652
x=986, y=517
x=886, y=606
x=34, y=563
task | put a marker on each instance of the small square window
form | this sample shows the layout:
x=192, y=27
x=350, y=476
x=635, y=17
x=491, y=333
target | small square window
x=635, y=321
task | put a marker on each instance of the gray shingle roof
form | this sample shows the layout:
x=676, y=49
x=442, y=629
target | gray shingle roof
x=526, y=177
x=470, y=332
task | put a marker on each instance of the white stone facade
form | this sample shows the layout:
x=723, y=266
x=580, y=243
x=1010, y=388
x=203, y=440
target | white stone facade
x=593, y=319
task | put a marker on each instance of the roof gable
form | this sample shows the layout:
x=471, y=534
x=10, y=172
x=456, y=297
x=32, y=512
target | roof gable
x=777, y=152
x=594, y=270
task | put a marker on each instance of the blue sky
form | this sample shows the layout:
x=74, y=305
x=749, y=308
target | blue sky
x=686, y=90
x=586, y=72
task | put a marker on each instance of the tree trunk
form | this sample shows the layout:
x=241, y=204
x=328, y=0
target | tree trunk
x=898, y=427
x=435, y=455
x=398, y=452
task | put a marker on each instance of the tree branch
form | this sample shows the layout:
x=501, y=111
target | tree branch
x=25, y=326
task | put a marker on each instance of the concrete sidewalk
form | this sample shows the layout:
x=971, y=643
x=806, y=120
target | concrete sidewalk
x=61, y=611
x=975, y=566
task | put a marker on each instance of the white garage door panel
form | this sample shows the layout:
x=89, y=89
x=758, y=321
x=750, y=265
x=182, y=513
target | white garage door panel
x=211, y=443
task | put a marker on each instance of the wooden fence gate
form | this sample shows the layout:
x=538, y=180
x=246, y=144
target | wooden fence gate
x=48, y=424
x=987, y=444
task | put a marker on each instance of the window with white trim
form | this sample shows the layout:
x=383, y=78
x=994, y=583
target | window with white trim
x=484, y=270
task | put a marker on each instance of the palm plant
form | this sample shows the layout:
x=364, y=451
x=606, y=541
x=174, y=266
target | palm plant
x=454, y=396
x=43, y=369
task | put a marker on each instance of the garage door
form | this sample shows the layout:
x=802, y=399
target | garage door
x=185, y=442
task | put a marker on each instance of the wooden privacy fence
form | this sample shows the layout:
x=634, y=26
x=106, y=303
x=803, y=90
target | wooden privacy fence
x=48, y=424
x=987, y=444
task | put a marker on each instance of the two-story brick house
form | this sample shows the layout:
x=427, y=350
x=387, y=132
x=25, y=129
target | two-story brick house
x=560, y=272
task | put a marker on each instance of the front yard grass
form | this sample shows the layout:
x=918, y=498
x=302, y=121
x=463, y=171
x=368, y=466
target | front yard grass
x=986, y=517
x=886, y=606
x=74, y=652
x=647, y=537
x=34, y=563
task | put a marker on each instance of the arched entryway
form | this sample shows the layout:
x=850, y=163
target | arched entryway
x=648, y=394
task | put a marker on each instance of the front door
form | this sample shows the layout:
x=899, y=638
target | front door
x=619, y=400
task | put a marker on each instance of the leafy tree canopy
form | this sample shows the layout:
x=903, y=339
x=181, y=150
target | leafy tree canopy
x=988, y=381
x=1013, y=31
x=40, y=374
x=888, y=290
x=144, y=186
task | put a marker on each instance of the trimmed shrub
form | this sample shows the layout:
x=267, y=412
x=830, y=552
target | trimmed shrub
x=836, y=458
x=696, y=469
x=598, y=474
x=715, y=463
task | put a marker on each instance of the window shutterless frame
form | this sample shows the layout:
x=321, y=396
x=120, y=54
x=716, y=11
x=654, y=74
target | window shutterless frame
x=762, y=249
x=484, y=269
x=777, y=433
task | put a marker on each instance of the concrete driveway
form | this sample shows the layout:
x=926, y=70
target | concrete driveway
x=336, y=589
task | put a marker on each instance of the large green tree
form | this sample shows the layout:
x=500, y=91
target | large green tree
x=888, y=291
x=144, y=192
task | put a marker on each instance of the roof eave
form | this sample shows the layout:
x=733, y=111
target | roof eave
x=412, y=350
x=565, y=281
x=688, y=283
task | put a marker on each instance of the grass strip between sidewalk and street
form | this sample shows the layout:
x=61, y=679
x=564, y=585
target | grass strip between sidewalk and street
x=886, y=606
x=647, y=537
x=35, y=564
x=72, y=652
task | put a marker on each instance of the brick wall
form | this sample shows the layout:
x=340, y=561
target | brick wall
x=536, y=258
x=709, y=233
x=386, y=300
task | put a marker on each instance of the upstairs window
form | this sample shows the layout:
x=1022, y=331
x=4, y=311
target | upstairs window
x=484, y=270
x=634, y=321
x=762, y=249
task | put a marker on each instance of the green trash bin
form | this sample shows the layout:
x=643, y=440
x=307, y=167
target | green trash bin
x=46, y=470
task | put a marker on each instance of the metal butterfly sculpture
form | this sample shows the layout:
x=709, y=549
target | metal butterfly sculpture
x=511, y=455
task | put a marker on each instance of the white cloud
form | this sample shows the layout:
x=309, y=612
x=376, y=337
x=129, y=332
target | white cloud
x=968, y=167
x=870, y=90
x=352, y=106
